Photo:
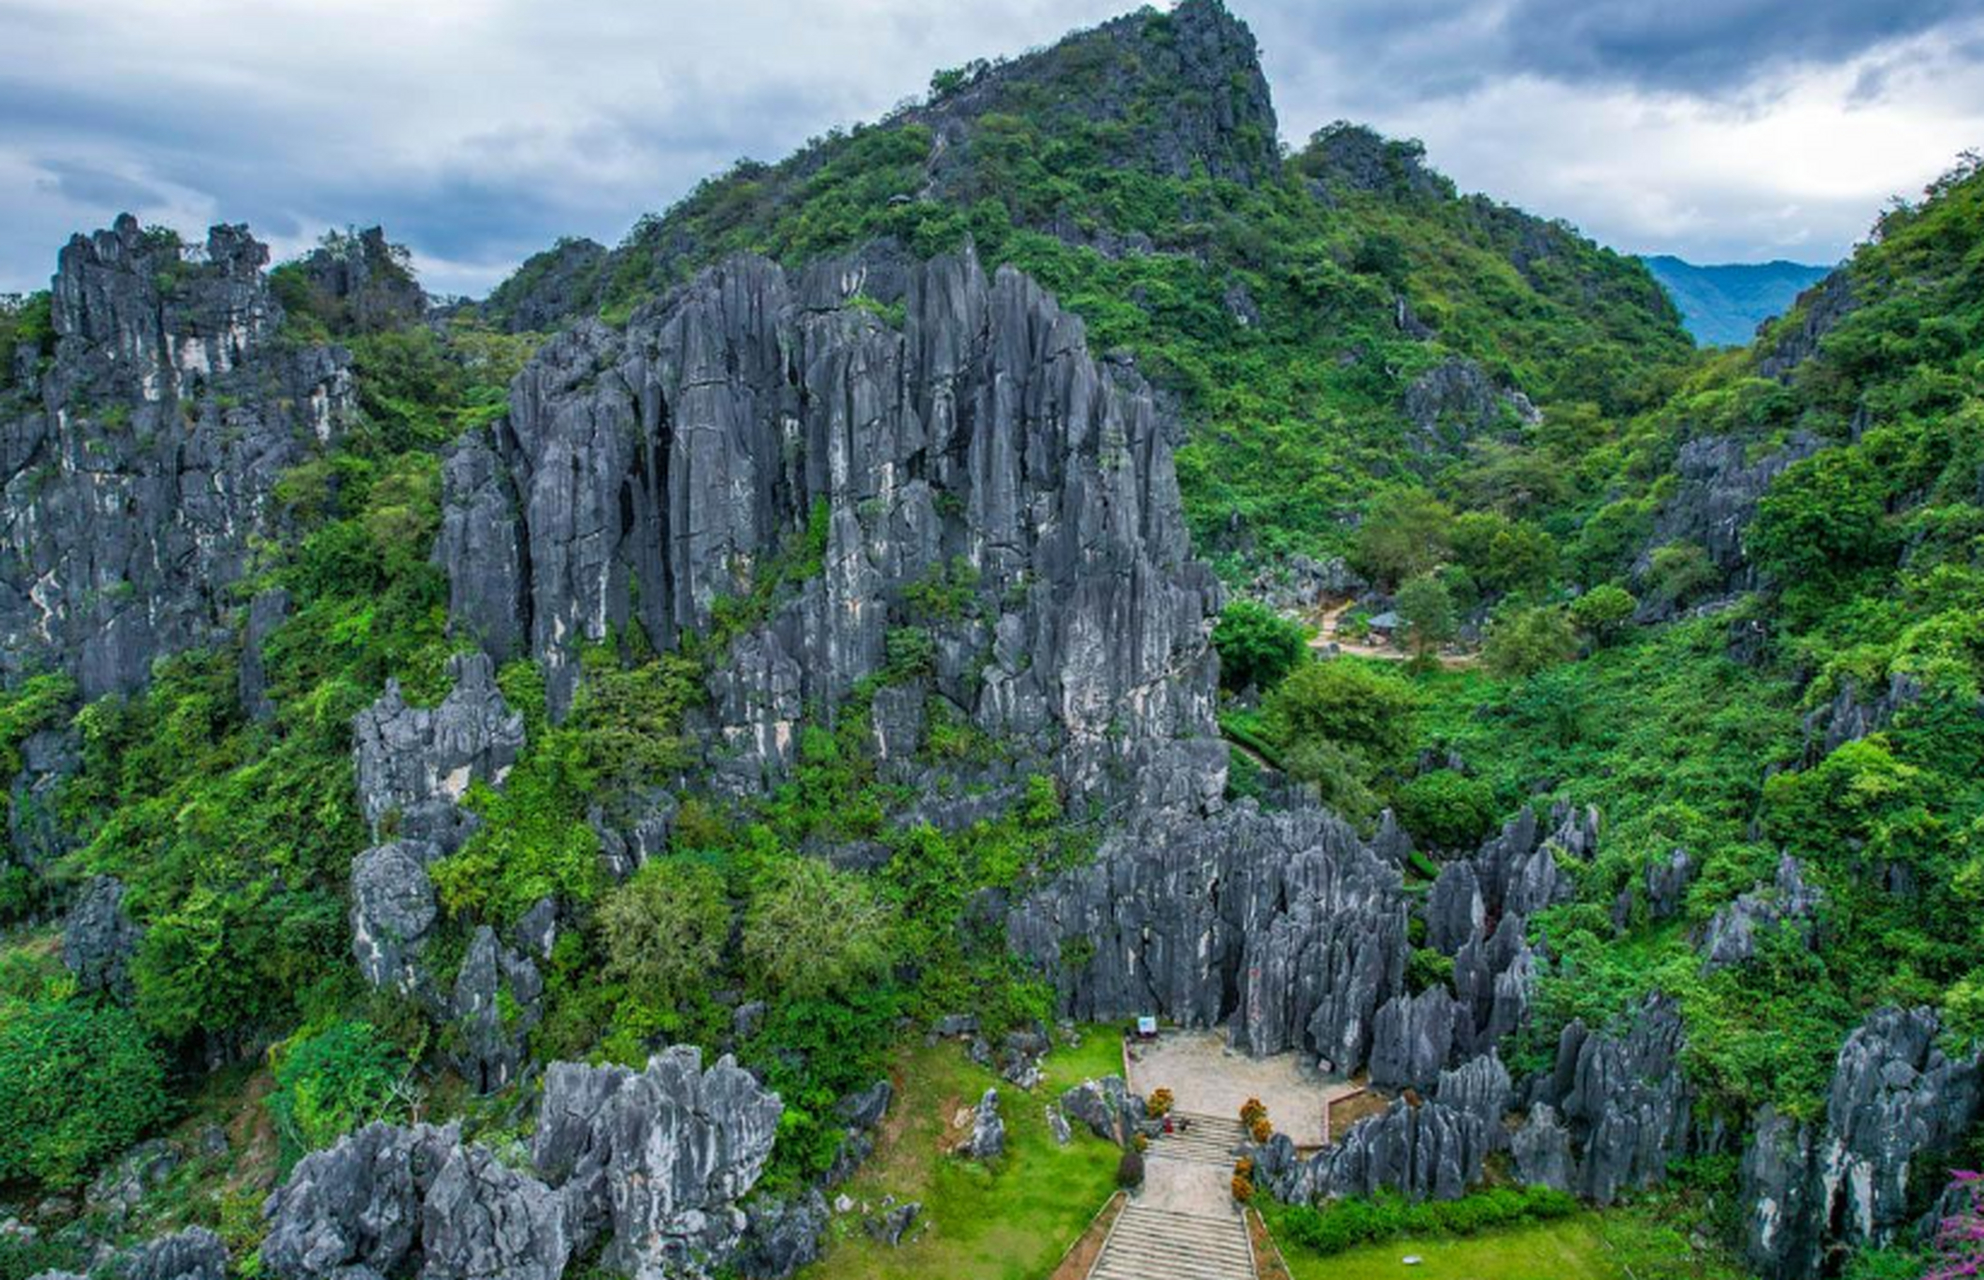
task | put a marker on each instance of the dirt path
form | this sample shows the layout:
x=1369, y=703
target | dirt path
x=1329, y=620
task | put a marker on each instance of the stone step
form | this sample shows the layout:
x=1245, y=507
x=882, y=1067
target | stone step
x=1148, y=1243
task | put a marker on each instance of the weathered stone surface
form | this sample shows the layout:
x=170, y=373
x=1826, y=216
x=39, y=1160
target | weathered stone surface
x=1542, y=1150
x=1058, y=1126
x=193, y=1254
x=410, y=757
x=1712, y=507
x=356, y=1204
x=1412, y=1039
x=1300, y=583
x=1455, y=402
x=783, y=1234
x=891, y=1225
x=98, y=939
x=1851, y=716
x=1624, y=1100
x=1731, y=935
x=1454, y=909
x=482, y=1220
x=864, y=1110
x=549, y=289
x=661, y=1156
x=393, y=910
x=1480, y=1087
x=35, y=832
x=363, y=283
x=987, y=1139
x=1425, y=1151
x=480, y=550
x=495, y=1006
x=1285, y=926
x=1667, y=881
x=753, y=418
x=1895, y=1098
x=1107, y=1107
x=1825, y=305
x=137, y=485
x=266, y=612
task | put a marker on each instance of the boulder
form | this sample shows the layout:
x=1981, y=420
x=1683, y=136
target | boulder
x=98, y=939
x=495, y=1006
x=987, y=1139
x=891, y=1225
x=783, y=1234
x=660, y=1156
x=1731, y=935
x=1542, y=1150
x=408, y=758
x=1107, y=1107
x=393, y=911
x=482, y=1219
x=1412, y=1039
x=357, y=1204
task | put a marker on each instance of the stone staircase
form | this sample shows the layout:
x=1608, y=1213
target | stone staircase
x=1150, y=1243
x=1206, y=1140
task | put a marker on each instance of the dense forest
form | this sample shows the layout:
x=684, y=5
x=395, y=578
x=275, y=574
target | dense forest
x=925, y=588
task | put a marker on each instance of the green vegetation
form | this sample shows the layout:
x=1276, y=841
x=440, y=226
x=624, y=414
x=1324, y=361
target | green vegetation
x=1257, y=646
x=78, y=1084
x=1339, y=1225
x=333, y=1081
x=1008, y=1221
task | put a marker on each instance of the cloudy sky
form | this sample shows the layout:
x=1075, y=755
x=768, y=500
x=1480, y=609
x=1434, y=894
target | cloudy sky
x=480, y=130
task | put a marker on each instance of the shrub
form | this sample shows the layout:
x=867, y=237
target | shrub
x=1526, y=641
x=1448, y=810
x=78, y=1084
x=663, y=930
x=1338, y=1225
x=1130, y=1169
x=811, y=929
x=1256, y=645
x=332, y=1082
x=1159, y=1104
x=1252, y=1110
x=1262, y=1129
x=1243, y=1189
x=1603, y=612
x=1353, y=706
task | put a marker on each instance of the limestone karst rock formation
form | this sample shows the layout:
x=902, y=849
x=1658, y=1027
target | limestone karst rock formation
x=139, y=468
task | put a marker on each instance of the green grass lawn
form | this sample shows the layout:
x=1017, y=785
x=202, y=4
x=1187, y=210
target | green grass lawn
x=1011, y=1222
x=1568, y=1249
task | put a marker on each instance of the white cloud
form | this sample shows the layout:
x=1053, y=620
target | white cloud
x=480, y=130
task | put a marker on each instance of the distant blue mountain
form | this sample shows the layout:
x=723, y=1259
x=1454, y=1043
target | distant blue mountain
x=1723, y=305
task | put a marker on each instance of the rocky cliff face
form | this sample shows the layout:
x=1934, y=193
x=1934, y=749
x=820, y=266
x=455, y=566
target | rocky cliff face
x=656, y=1160
x=1283, y=927
x=138, y=465
x=757, y=455
x=1895, y=1097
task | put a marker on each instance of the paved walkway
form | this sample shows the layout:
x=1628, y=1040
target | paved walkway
x=1207, y=1078
x=1182, y=1224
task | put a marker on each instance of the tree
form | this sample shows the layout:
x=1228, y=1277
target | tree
x=1256, y=645
x=1504, y=555
x=1405, y=534
x=1602, y=612
x=1340, y=717
x=78, y=1084
x=1427, y=608
x=663, y=930
x=810, y=929
x=1528, y=640
x=1823, y=516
